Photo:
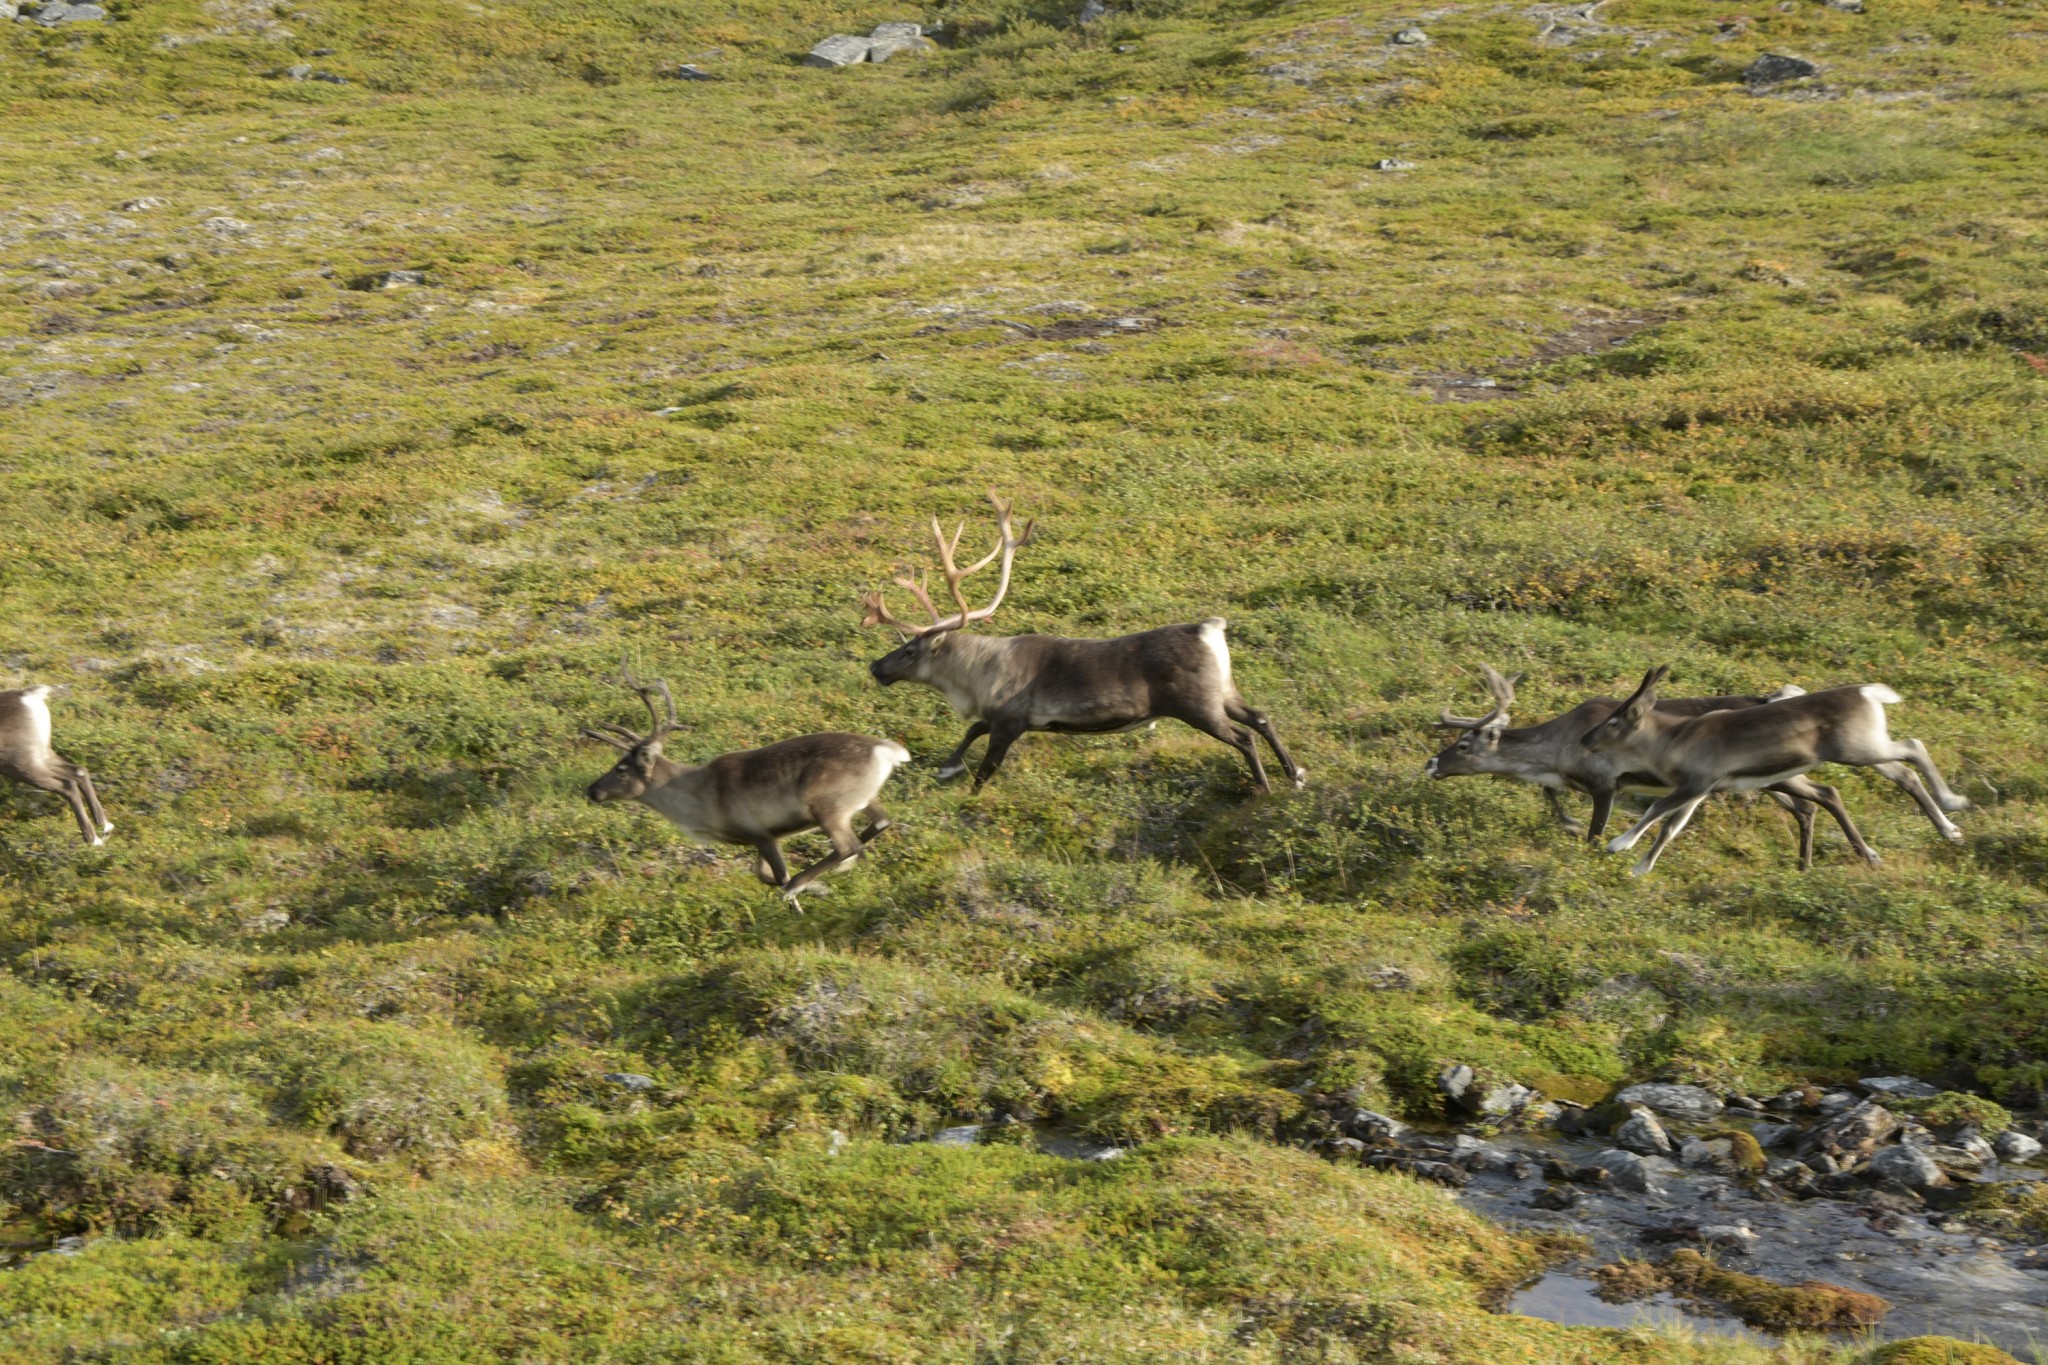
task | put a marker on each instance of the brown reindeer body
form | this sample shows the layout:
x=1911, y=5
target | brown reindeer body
x=1012, y=685
x=757, y=797
x=26, y=756
x=1763, y=747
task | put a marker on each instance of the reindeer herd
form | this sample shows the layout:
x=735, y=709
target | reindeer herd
x=1678, y=750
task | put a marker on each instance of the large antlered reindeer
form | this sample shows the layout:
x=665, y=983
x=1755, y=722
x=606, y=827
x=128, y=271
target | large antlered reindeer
x=26, y=756
x=1008, y=686
x=757, y=796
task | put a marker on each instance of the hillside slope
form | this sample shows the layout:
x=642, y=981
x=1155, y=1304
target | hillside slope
x=1630, y=363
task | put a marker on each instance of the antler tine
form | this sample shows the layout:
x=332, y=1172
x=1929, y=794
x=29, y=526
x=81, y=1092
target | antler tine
x=612, y=740
x=1450, y=721
x=875, y=613
x=647, y=691
x=1503, y=689
x=919, y=588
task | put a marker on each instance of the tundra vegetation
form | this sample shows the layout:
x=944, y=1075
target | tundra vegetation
x=354, y=427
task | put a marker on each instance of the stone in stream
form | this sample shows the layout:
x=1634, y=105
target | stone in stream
x=1793, y=1175
x=2016, y=1146
x=1908, y=1165
x=1688, y=1102
x=1440, y=1172
x=1642, y=1134
x=1627, y=1171
x=1465, y=1088
x=1557, y=1197
x=1373, y=1126
x=1852, y=1134
x=1774, y=1134
x=1899, y=1087
x=1714, y=1154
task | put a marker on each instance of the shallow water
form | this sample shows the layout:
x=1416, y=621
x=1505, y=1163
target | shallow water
x=1938, y=1283
x=1566, y=1297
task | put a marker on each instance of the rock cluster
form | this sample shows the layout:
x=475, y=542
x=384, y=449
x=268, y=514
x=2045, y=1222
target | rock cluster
x=56, y=12
x=886, y=41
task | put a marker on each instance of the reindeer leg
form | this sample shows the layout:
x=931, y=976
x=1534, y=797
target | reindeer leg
x=92, y=799
x=75, y=798
x=1564, y=817
x=878, y=820
x=846, y=846
x=1661, y=807
x=1932, y=805
x=956, y=762
x=770, y=868
x=1829, y=800
x=1221, y=727
x=1671, y=830
x=1239, y=711
x=999, y=742
x=1603, y=806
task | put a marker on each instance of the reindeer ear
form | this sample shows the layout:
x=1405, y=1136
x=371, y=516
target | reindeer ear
x=1646, y=695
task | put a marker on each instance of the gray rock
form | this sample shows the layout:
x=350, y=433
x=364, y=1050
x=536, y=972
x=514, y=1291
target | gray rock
x=1410, y=37
x=1774, y=1134
x=1835, y=1101
x=58, y=12
x=1393, y=163
x=2016, y=1146
x=897, y=29
x=688, y=71
x=1899, y=1087
x=1557, y=1197
x=966, y=1135
x=1707, y=1153
x=300, y=72
x=1627, y=1171
x=1641, y=1133
x=1373, y=1127
x=882, y=49
x=1786, y=1171
x=841, y=49
x=1774, y=67
x=1092, y=12
x=1909, y=1166
x=630, y=1080
x=1846, y=6
x=8, y=10
x=1455, y=1081
x=1735, y=1238
x=1972, y=1155
x=1688, y=1102
x=1851, y=1134
x=389, y=279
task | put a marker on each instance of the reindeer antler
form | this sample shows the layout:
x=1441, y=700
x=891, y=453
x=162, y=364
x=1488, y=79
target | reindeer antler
x=1006, y=547
x=1503, y=690
x=648, y=691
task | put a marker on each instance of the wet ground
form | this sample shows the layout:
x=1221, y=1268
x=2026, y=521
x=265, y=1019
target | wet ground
x=1956, y=1284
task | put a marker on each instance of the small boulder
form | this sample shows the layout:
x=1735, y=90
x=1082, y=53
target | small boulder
x=58, y=12
x=2016, y=1146
x=1690, y=1103
x=841, y=49
x=890, y=39
x=1641, y=1133
x=689, y=71
x=1899, y=1087
x=1715, y=1154
x=1907, y=1165
x=1774, y=1134
x=1835, y=1101
x=1846, y=6
x=1786, y=1171
x=966, y=1135
x=1410, y=37
x=1557, y=1197
x=1627, y=1171
x=1853, y=1133
x=1735, y=1238
x=631, y=1081
x=1439, y=1172
x=1774, y=68
x=1393, y=163
x=1373, y=1126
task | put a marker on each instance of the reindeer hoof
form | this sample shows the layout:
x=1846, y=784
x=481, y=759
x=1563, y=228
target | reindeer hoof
x=1953, y=803
x=1301, y=779
x=107, y=828
x=949, y=774
x=96, y=842
x=1618, y=844
x=1952, y=834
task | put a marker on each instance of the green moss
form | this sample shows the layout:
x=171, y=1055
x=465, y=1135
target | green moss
x=1807, y=1306
x=1939, y=1351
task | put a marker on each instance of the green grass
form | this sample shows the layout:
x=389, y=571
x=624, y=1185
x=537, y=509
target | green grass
x=335, y=575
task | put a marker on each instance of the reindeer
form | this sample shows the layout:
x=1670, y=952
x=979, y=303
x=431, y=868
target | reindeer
x=1011, y=685
x=1551, y=756
x=26, y=756
x=758, y=796
x=1762, y=746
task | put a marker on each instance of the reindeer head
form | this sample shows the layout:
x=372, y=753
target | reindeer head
x=923, y=646
x=1616, y=731
x=640, y=763
x=1472, y=751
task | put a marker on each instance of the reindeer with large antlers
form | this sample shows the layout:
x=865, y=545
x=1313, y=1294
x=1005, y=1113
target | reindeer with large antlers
x=757, y=796
x=1551, y=756
x=1008, y=686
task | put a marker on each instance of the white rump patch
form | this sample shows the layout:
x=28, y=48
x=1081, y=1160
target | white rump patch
x=1880, y=694
x=38, y=717
x=1786, y=693
x=892, y=753
x=1212, y=636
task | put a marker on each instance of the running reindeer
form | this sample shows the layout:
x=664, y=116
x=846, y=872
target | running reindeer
x=757, y=796
x=1551, y=756
x=26, y=756
x=1008, y=686
x=1761, y=746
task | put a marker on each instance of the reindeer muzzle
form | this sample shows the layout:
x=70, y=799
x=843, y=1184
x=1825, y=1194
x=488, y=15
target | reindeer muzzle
x=1429, y=769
